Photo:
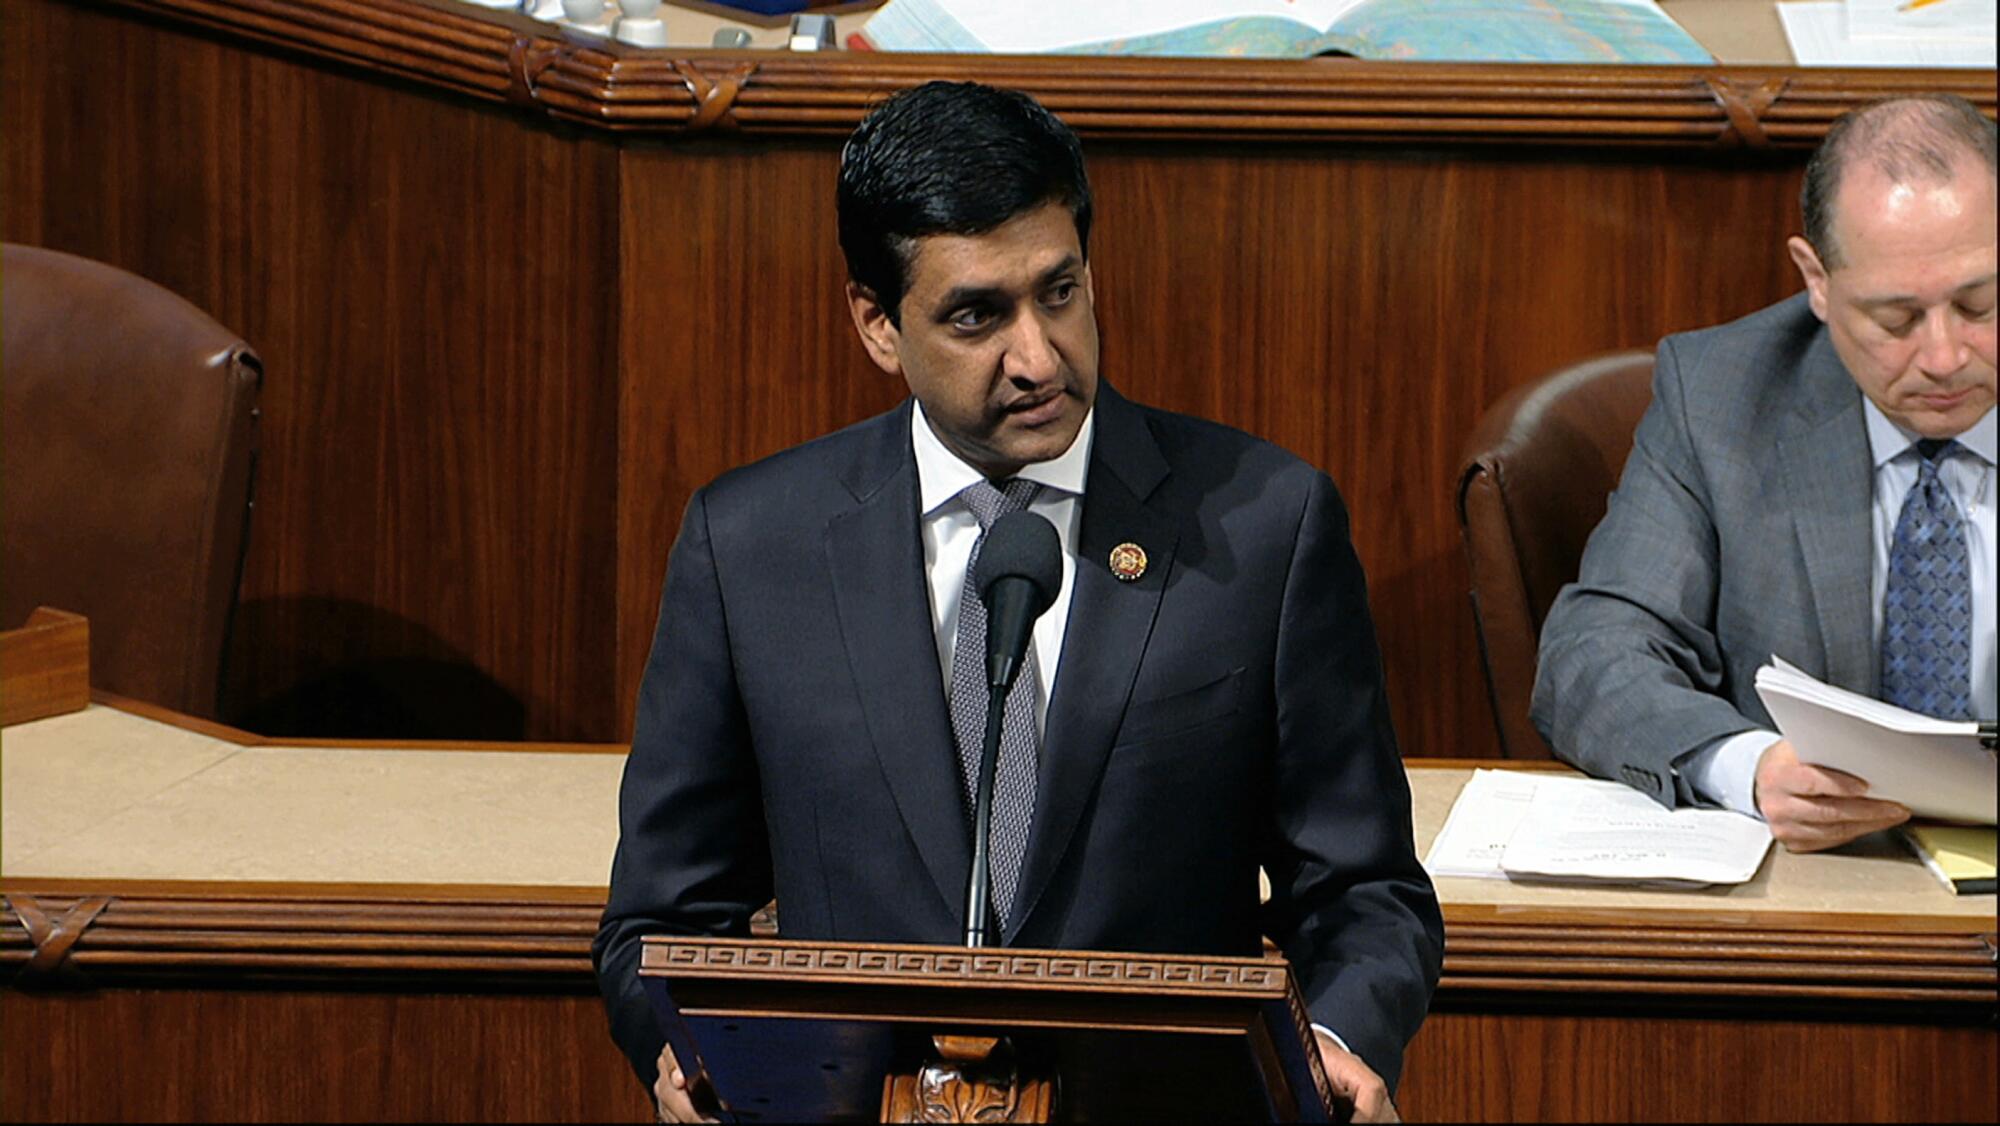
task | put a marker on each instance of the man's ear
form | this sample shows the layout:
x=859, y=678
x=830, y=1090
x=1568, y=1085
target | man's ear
x=879, y=335
x=1812, y=270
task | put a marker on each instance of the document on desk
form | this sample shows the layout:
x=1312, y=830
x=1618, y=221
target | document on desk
x=1541, y=827
x=1934, y=766
x=1818, y=33
x=1920, y=19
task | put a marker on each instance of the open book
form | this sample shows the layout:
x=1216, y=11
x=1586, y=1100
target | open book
x=1935, y=766
x=1553, y=31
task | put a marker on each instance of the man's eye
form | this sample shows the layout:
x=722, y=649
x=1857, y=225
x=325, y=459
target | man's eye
x=1976, y=312
x=1899, y=327
x=971, y=320
x=1061, y=294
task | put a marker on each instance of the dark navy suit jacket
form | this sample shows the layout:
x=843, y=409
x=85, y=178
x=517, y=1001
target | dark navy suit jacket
x=1224, y=711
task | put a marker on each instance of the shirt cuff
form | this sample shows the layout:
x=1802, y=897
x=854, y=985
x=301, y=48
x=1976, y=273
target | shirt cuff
x=1334, y=1036
x=1725, y=771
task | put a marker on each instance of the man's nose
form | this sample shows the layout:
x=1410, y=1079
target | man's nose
x=1031, y=352
x=1943, y=348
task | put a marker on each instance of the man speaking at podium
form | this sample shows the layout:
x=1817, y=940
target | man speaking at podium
x=1204, y=696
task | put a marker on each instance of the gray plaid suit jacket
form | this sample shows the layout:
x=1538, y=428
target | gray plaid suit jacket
x=1740, y=530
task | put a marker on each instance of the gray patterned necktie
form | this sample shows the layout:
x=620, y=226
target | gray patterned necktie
x=1927, y=601
x=1014, y=777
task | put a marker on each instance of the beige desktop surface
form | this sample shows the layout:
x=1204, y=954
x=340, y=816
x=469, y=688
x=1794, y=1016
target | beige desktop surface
x=104, y=794
x=1736, y=32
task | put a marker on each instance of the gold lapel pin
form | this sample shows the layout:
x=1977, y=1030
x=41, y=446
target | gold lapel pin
x=1128, y=562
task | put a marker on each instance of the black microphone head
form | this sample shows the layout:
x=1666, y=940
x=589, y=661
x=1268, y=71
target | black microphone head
x=1021, y=545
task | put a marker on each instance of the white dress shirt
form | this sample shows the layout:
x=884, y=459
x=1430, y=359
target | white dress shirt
x=950, y=530
x=1726, y=771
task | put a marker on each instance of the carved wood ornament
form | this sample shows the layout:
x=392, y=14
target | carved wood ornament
x=972, y=1079
x=506, y=57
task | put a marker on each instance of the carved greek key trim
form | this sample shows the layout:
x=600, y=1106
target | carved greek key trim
x=928, y=965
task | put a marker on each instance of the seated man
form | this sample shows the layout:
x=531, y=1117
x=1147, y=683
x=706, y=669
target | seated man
x=1812, y=482
x=1204, y=698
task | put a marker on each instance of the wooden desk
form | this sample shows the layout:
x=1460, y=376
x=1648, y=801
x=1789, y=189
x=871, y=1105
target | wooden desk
x=283, y=930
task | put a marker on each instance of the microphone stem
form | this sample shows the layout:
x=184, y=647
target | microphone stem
x=978, y=889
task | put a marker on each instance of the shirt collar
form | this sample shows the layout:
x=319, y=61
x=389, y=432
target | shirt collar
x=942, y=475
x=1887, y=440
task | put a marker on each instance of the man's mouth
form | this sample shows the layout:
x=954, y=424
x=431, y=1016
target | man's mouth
x=1035, y=412
x=1943, y=400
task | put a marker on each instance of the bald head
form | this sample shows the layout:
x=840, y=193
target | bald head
x=1901, y=259
x=1916, y=142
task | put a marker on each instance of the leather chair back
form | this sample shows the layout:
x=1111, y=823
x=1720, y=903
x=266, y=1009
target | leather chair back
x=129, y=423
x=1538, y=474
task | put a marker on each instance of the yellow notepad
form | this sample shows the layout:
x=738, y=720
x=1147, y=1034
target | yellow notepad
x=1960, y=856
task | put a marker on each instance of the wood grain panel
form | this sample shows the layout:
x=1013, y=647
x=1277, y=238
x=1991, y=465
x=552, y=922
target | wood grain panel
x=257, y=1055
x=502, y=354
x=1360, y=308
x=44, y=666
x=242, y=1002
x=736, y=342
x=429, y=283
x=172, y=1055
x=500, y=55
x=1533, y=1067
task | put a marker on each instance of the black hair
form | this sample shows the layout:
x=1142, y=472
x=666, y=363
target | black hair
x=1912, y=138
x=949, y=158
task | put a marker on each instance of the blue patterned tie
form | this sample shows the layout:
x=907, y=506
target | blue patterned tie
x=1927, y=602
x=1014, y=775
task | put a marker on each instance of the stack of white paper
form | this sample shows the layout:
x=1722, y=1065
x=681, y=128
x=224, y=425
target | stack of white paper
x=1552, y=827
x=1934, y=766
x=1943, y=33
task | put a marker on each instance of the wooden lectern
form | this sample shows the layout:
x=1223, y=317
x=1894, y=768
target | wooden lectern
x=842, y=1031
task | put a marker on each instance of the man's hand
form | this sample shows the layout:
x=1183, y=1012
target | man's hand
x=672, y=1100
x=1356, y=1081
x=1811, y=807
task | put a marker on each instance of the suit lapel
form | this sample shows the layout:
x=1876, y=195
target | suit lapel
x=876, y=560
x=1109, y=625
x=1823, y=457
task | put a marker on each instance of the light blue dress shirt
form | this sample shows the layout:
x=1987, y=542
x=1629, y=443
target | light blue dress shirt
x=1725, y=771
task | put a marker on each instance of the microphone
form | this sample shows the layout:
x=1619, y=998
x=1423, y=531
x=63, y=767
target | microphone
x=1017, y=577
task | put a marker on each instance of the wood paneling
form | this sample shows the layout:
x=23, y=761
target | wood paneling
x=185, y=1003
x=503, y=56
x=250, y=1055
x=1552, y=1067
x=431, y=284
x=736, y=344
x=502, y=352
x=177, y=1055
x=44, y=666
x=1360, y=307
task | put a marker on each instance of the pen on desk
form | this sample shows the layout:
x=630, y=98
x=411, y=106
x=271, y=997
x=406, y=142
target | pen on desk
x=1913, y=5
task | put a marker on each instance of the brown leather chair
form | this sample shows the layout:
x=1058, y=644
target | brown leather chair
x=1538, y=473
x=125, y=473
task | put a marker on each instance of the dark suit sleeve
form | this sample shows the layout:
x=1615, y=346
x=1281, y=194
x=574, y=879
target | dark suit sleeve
x=1350, y=905
x=693, y=856
x=1630, y=672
